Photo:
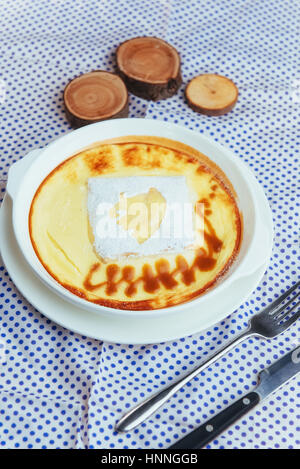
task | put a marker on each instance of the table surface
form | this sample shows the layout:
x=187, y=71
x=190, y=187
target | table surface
x=61, y=390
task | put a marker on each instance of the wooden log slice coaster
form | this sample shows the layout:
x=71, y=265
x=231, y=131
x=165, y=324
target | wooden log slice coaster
x=150, y=67
x=94, y=97
x=211, y=94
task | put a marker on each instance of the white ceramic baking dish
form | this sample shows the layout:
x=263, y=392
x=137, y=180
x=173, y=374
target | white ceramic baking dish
x=26, y=175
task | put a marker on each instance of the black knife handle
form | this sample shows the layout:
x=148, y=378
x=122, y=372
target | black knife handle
x=213, y=427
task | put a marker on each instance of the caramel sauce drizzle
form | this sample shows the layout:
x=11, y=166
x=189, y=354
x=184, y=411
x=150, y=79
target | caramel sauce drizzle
x=152, y=280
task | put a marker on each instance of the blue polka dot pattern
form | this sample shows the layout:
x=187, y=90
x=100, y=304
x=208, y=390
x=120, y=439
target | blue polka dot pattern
x=61, y=390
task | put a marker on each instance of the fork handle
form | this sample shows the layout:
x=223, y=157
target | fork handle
x=146, y=408
x=213, y=427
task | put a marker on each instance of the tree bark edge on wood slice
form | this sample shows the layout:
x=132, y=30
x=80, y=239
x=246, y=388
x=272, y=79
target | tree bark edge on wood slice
x=154, y=84
x=94, y=97
x=211, y=94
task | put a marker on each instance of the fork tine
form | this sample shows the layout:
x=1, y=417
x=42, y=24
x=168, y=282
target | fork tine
x=280, y=318
x=279, y=300
x=290, y=321
x=282, y=308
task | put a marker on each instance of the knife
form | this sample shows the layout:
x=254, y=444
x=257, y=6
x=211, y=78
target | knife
x=270, y=379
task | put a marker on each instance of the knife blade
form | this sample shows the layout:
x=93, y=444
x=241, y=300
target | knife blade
x=269, y=380
x=277, y=374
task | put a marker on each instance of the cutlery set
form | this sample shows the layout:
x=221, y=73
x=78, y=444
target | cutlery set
x=269, y=323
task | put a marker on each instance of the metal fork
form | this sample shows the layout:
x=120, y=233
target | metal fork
x=272, y=321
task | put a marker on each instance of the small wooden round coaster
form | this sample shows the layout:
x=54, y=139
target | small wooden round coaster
x=211, y=94
x=150, y=67
x=94, y=97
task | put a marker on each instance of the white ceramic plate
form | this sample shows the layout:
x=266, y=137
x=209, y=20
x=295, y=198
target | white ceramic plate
x=138, y=330
x=26, y=176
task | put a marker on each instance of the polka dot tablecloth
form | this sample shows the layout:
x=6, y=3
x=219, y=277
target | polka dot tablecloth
x=61, y=390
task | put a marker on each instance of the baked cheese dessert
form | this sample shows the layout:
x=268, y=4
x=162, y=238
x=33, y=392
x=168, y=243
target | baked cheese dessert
x=63, y=231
